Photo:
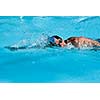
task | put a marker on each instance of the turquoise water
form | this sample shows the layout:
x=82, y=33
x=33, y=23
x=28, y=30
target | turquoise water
x=49, y=64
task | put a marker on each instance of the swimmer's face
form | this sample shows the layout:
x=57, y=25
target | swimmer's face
x=62, y=44
x=57, y=41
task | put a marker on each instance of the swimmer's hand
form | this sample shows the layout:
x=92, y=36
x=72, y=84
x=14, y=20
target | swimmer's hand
x=14, y=48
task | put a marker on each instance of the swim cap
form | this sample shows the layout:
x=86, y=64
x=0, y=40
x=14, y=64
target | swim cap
x=51, y=39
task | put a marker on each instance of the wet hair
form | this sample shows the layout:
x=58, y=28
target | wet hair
x=57, y=37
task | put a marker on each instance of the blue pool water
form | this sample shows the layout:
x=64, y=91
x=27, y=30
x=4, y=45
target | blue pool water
x=49, y=64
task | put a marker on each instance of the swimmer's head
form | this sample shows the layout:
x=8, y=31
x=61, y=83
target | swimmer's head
x=55, y=40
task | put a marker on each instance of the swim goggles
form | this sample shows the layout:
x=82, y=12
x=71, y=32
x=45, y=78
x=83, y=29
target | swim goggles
x=51, y=40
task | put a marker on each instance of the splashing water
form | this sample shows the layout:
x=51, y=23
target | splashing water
x=40, y=42
x=48, y=64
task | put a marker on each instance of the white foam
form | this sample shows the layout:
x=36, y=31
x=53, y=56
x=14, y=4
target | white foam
x=69, y=46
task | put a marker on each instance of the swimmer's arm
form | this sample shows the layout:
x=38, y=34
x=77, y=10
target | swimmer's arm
x=15, y=48
x=96, y=43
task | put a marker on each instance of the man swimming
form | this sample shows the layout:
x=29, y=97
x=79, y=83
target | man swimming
x=79, y=42
x=50, y=42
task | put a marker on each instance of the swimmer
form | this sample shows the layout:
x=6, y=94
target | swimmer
x=79, y=42
x=51, y=42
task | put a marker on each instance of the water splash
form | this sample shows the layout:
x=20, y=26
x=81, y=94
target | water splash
x=40, y=42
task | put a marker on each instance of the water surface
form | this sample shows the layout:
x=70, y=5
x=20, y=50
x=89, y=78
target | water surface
x=49, y=64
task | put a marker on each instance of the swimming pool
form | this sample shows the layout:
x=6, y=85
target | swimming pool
x=53, y=65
